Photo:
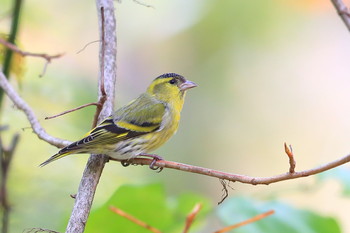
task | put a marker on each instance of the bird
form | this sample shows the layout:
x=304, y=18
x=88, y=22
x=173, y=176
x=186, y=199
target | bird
x=139, y=127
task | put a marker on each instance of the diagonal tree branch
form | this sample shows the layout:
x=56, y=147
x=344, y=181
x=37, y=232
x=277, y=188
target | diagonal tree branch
x=246, y=222
x=343, y=12
x=71, y=110
x=191, y=217
x=134, y=219
x=22, y=105
x=107, y=76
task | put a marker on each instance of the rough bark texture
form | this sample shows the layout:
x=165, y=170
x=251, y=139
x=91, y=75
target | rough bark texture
x=343, y=12
x=107, y=76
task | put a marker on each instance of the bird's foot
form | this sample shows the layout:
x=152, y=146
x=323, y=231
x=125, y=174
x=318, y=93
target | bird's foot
x=155, y=159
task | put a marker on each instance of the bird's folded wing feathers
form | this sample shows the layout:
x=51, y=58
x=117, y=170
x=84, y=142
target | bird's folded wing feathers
x=135, y=119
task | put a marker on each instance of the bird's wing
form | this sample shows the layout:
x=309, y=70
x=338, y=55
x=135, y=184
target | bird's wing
x=143, y=115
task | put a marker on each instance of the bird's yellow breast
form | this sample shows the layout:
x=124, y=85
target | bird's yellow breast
x=168, y=128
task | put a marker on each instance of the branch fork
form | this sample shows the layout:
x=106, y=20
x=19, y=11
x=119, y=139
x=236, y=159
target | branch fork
x=45, y=56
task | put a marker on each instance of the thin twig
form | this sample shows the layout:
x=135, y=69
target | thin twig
x=241, y=178
x=190, y=218
x=45, y=56
x=14, y=48
x=343, y=12
x=225, y=190
x=143, y=4
x=289, y=152
x=36, y=230
x=22, y=105
x=246, y=222
x=71, y=110
x=134, y=220
x=85, y=46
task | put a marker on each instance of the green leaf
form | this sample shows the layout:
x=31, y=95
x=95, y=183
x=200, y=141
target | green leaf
x=286, y=218
x=149, y=204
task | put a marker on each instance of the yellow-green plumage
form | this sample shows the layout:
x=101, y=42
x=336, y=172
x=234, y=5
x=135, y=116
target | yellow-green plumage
x=139, y=127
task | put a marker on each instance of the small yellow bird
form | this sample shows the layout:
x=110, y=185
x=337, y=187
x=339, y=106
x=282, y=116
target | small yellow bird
x=138, y=128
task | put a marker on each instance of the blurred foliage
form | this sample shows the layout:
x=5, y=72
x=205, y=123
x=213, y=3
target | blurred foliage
x=150, y=204
x=286, y=218
x=341, y=174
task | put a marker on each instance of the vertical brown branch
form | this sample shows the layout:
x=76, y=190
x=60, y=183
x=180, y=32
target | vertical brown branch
x=103, y=95
x=107, y=76
x=103, y=52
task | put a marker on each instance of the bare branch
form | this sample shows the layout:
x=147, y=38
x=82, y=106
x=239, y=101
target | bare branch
x=107, y=77
x=44, y=69
x=241, y=178
x=14, y=48
x=134, y=220
x=343, y=12
x=246, y=222
x=190, y=218
x=22, y=105
x=71, y=110
x=45, y=56
x=37, y=230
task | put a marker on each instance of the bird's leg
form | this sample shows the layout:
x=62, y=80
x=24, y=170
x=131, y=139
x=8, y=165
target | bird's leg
x=155, y=159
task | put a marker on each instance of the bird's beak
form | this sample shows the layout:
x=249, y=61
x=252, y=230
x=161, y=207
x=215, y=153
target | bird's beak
x=187, y=85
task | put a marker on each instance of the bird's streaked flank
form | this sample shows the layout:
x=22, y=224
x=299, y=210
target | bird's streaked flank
x=138, y=128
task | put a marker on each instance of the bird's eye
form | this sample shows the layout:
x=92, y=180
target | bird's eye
x=172, y=81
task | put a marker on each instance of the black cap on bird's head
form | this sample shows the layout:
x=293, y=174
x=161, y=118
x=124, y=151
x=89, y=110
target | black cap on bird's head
x=169, y=85
x=170, y=75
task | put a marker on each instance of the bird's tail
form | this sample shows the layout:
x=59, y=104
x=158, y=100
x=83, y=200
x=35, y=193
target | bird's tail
x=55, y=157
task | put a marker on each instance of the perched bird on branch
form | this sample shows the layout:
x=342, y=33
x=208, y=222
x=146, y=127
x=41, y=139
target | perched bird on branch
x=138, y=128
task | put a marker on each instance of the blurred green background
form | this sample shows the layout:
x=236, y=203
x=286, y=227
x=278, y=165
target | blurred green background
x=268, y=72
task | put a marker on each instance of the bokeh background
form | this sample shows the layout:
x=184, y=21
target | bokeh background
x=268, y=72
